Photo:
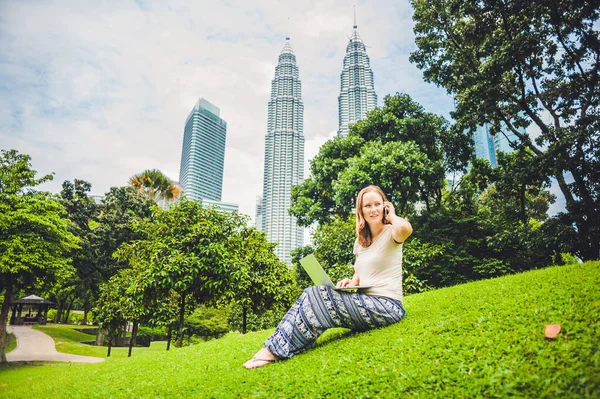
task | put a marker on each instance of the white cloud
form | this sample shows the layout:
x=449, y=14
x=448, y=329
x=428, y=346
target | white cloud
x=101, y=90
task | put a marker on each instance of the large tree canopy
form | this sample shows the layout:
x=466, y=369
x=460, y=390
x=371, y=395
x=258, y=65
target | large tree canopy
x=400, y=147
x=525, y=64
x=491, y=223
x=120, y=208
x=82, y=210
x=34, y=233
x=259, y=280
x=186, y=249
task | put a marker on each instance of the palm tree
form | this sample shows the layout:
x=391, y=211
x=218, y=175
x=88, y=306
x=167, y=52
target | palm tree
x=155, y=185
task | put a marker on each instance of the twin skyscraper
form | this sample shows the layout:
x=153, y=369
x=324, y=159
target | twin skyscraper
x=203, y=152
x=284, y=143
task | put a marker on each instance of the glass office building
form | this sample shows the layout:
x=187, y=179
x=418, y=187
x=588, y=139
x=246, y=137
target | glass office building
x=357, y=93
x=284, y=156
x=203, y=153
x=503, y=139
x=222, y=206
x=484, y=144
x=488, y=146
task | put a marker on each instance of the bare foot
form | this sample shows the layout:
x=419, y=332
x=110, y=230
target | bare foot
x=262, y=358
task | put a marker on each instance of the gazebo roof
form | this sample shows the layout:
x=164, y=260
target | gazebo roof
x=32, y=299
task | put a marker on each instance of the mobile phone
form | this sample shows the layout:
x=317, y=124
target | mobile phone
x=385, y=212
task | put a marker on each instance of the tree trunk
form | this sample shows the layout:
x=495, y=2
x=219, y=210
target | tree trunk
x=59, y=310
x=589, y=237
x=68, y=311
x=110, y=338
x=244, y=314
x=522, y=209
x=86, y=308
x=587, y=218
x=169, y=336
x=181, y=317
x=4, y=315
x=587, y=233
x=133, y=335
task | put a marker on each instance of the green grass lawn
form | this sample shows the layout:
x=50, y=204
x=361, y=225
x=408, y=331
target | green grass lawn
x=67, y=340
x=482, y=339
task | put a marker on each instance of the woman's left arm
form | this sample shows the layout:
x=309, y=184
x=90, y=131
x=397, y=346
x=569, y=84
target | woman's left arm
x=401, y=227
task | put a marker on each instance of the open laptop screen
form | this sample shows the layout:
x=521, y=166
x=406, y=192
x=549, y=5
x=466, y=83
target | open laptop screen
x=319, y=276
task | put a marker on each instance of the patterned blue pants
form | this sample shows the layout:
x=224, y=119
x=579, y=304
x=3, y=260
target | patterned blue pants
x=320, y=308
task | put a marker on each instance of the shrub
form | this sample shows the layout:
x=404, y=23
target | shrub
x=411, y=284
x=52, y=315
x=75, y=317
x=256, y=322
x=204, y=324
x=489, y=268
x=145, y=335
x=569, y=259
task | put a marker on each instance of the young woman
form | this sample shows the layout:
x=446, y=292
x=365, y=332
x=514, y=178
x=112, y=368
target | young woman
x=378, y=249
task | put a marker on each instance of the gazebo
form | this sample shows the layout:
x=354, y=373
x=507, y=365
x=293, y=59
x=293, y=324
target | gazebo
x=31, y=304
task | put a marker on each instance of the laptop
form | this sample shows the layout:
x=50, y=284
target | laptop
x=319, y=276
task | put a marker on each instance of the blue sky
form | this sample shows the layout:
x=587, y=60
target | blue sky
x=100, y=90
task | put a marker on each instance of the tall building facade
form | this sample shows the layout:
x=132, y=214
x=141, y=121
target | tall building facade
x=222, y=206
x=284, y=156
x=357, y=93
x=488, y=146
x=203, y=153
x=503, y=139
x=259, y=212
x=484, y=144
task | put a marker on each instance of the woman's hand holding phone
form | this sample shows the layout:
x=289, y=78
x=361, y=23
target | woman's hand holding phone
x=388, y=208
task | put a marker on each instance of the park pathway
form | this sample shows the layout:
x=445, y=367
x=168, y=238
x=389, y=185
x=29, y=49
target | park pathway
x=34, y=345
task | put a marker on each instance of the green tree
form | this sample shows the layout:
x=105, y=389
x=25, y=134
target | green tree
x=460, y=234
x=259, y=280
x=120, y=208
x=124, y=299
x=206, y=323
x=399, y=168
x=34, y=233
x=302, y=278
x=83, y=211
x=187, y=249
x=520, y=189
x=109, y=310
x=155, y=185
x=492, y=224
x=514, y=64
x=399, y=147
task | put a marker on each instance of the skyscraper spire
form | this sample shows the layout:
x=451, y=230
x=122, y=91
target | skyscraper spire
x=357, y=91
x=284, y=156
x=287, y=48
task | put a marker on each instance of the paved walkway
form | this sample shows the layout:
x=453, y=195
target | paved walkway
x=34, y=345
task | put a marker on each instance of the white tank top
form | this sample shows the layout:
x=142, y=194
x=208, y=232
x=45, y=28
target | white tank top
x=380, y=266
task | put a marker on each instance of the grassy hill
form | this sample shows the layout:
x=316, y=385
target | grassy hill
x=482, y=339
